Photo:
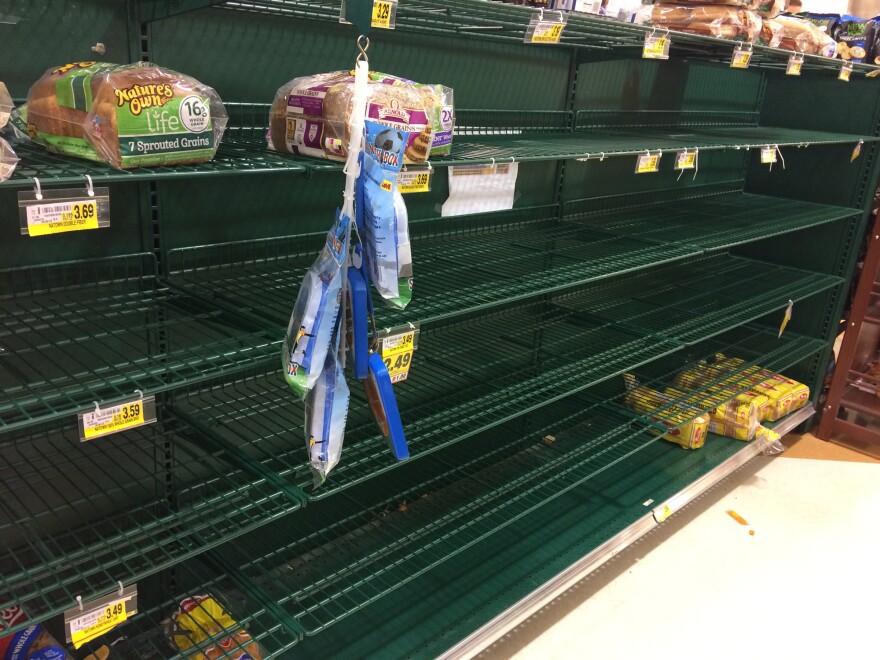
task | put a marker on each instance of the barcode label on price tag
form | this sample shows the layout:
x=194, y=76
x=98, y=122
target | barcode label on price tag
x=648, y=163
x=414, y=181
x=396, y=349
x=768, y=155
x=97, y=617
x=61, y=211
x=741, y=58
x=547, y=32
x=384, y=14
x=685, y=160
x=655, y=48
x=116, y=418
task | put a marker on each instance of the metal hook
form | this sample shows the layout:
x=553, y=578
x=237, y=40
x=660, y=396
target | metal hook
x=37, y=190
x=602, y=157
x=140, y=393
x=363, y=43
x=119, y=582
x=493, y=165
x=90, y=188
x=79, y=599
x=512, y=160
x=97, y=407
x=541, y=17
x=561, y=17
x=430, y=167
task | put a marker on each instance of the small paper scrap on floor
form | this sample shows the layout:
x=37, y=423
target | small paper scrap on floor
x=738, y=518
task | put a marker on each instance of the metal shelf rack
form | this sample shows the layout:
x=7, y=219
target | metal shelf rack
x=525, y=462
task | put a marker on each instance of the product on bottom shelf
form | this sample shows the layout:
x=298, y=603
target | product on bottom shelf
x=713, y=20
x=202, y=617
x=795, y=34
x=855, y=38
x=32, y=643
x=688, y=425
x=310, y=115
x=736, y=418
x=326, y=413
x=784, y=395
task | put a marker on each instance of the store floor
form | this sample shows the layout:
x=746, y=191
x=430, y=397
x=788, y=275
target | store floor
x=702, y=586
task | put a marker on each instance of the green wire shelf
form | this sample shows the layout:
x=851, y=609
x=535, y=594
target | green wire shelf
x=77, y=333
x=234, y=157
x=468, y=264
x=482, y=137
x=106, y=515
x=348, y=552
x=473, y=19
x=709, y=223
x=146, y=636
x=478, y=373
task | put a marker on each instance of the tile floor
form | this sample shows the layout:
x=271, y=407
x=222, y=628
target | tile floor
x=805, y=585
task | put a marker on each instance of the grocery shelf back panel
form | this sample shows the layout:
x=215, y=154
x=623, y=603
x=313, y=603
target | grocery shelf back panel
x=542, y=327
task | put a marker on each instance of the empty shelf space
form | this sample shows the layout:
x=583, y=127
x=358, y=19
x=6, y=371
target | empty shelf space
x=77, y=333
x=861, y=401
x=476, y=262
x=713, y=222
x=348, y=551
x=475, y=375
x=121, y=507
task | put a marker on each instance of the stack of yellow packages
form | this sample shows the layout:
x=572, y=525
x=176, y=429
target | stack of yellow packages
x=688, y=427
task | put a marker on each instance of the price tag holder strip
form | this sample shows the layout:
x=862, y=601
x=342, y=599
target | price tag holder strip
x=89, y=620
x=62, y=210
x=396, y=346
x=545, y=28
x=117, y=417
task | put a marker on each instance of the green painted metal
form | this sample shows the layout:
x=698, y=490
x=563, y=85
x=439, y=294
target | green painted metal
x=105, y=515
x=529, y=316
x=346, y=553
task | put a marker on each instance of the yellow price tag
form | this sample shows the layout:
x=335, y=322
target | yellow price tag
x=786, y=318
x=648, y=163
x=381, y=15
x=794, y=66
x=741, y=59
x=768, y=155
x=113, y=419
x=96, y=623
x=397, y=352
x=49, y=218
x=845, y=72
x=857, y=150
x=547, y=32
x=686, y=160
x=414, y=181
x=661, y=513
x=656, y=48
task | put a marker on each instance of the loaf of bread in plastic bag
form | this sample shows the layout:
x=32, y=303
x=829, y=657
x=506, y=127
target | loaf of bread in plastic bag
x=712, y=20
x=310, y=115
x=133, y=115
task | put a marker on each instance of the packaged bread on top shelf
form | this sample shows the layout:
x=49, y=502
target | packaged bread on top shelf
x=310, y=115
x=795, y=34
x=132, y=115
x=714, y=20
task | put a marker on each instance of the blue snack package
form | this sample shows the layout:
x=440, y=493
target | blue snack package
x=314, y=316
x=383, y=158
x=380, y=394
x=326, y=412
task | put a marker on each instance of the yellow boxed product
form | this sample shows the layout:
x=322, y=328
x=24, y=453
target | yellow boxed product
x=733, y=418
x=800, y=393
x=692, y=426
x=201, y=618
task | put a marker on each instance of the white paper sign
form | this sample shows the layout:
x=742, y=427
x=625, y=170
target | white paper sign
x=480, y=189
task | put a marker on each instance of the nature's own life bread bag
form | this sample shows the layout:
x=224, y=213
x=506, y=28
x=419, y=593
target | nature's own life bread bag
x=310, y=115
x=131, y=115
